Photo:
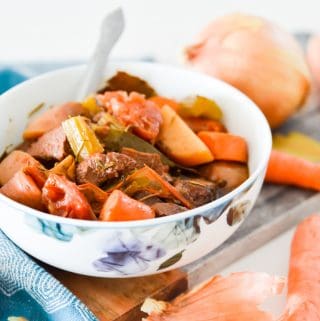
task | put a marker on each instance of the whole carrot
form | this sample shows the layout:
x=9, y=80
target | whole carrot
x=304, y=273
x=288, y=169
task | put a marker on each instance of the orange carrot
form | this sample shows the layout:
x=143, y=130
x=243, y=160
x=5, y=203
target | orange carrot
x=288, y=169
x=23, y=189
x=51, y=119
x=161, y=101
x=154, y=184
x=201, y=124
x=121, y=207
x=303, y=301
x=225, y=146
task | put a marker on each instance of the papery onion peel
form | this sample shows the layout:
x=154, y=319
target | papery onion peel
x=231, y=298
x=257, y=57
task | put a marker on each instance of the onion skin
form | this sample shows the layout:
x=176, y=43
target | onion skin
x=258, y=58
x=313, y=58
x=236, y=297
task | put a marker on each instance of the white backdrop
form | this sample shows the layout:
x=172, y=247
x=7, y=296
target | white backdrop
x=33, y=30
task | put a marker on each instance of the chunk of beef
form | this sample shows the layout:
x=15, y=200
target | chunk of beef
x=146, y=198
x=51, y=146
x=98, y=168
x=198, y=191
x=165, y=209
x=152, y=160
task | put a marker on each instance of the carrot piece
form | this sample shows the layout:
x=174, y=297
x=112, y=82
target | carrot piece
x=121, y=207
x=288, y=169
x=14, y=162
x=147, y=179
x=161, y=101
x=225, y=146
x=23, y=189
x=201, y=124
x=170, y=188
x=303, y=302
x=51, y=119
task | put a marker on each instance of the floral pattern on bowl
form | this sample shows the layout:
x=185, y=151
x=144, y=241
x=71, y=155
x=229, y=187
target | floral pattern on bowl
x=57, y=231
x=127, y=254
x=131, y=251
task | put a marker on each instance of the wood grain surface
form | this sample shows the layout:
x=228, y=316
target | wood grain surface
x=120, y=299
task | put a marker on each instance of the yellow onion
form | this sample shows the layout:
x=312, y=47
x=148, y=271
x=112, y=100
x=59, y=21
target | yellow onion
x=236, y=297
x=313, y=58
x=257, y=57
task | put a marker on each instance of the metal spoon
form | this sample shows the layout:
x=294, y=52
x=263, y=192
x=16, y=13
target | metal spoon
x=111, y=29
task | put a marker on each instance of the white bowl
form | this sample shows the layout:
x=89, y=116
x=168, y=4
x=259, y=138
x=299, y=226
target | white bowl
x=137, y=248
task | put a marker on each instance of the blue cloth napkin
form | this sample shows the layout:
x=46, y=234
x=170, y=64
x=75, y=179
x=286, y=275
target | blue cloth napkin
x=26, y=289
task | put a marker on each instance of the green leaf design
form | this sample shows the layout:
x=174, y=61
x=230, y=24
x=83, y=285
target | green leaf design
x=172, y=260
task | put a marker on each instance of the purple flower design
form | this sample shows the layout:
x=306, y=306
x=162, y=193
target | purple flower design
x=126, y=254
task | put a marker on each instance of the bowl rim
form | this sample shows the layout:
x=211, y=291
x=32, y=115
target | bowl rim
x=160, y=220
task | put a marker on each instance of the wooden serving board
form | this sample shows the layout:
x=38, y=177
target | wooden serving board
x=121, y=299
x=278, y=208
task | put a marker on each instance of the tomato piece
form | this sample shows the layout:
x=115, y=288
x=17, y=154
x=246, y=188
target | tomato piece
x=63, y=198
x=134, y=110
x=121, y=207
x=38, y=174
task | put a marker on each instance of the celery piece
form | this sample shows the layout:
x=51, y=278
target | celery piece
x=81, y=137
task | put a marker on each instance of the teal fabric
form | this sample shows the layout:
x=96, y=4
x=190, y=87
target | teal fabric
x=27, y=290
x=10, y=78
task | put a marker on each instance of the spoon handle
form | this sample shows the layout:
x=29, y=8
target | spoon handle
x=111, y=29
